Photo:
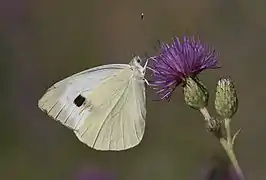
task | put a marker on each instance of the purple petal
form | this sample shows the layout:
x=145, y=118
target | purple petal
x=180, y=60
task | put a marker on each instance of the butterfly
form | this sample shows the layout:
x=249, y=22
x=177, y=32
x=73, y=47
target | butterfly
x=105, y=106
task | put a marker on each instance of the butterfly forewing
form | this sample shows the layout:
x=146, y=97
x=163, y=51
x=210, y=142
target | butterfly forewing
x=58, y=101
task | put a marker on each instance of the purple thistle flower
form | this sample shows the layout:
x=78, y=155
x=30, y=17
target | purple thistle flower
x=179, y=61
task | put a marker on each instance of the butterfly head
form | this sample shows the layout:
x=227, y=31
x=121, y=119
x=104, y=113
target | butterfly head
x=136, y=62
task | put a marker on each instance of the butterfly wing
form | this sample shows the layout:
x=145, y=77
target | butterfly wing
x=63, y=100
x=117, y=118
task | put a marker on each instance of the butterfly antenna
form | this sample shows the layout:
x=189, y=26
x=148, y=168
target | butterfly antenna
x=146, y=55
x=134, y=55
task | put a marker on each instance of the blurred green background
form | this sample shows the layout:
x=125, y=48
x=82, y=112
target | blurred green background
x=43, y=41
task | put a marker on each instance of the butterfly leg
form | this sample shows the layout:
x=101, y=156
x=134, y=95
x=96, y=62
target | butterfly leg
x=145, y=66
x=146, y=81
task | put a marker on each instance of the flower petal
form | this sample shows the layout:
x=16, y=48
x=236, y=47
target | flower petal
x=180, y=60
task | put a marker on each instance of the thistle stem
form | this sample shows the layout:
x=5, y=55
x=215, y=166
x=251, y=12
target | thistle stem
x=226, y=142
x=230, y=153
x=206, y=114
x=228, y=130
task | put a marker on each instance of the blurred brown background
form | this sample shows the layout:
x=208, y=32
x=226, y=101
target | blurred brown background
x=43, y=41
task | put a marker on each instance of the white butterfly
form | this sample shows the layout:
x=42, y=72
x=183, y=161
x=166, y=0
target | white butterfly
x=105, y=106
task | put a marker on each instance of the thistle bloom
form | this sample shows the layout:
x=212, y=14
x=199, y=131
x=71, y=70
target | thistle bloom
x=179, y=61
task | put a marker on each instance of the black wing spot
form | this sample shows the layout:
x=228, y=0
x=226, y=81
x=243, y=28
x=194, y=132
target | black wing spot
x=79, y=100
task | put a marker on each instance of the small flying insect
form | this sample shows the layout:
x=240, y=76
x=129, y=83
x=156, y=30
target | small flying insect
x=142, y=16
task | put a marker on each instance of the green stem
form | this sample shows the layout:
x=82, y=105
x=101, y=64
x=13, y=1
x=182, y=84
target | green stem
x=227, y=143
x=206, y=114
x=230, y=153
x=228, y=147
x=228, y=130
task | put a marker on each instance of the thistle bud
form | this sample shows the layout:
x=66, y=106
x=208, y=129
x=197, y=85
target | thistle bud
x=195, y=93
x=226, y=101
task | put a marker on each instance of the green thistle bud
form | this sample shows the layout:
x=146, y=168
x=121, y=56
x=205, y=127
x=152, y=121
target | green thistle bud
x=226, y=101
x=195, y=93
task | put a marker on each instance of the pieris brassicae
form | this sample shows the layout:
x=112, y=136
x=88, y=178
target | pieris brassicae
x=105, y=106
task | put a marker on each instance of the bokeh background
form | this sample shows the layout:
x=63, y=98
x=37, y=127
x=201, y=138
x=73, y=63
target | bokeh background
x=43, y=41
